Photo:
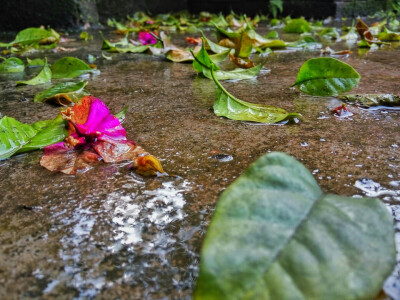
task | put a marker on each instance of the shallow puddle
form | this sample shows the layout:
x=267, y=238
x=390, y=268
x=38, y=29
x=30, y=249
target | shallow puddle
x=109, y=233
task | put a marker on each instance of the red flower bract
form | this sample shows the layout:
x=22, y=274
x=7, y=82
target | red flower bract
x=94, y=135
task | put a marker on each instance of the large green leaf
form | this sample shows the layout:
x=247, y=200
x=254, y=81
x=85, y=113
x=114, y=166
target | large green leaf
x=11, y=65
x=276, y=235
x=326, y=76
x=33, y=35
x=297, y=26
x=370, y=100
x=17, y=137
x=64, y=93
x=43, y=76
x=70, y=67
x=227, y=105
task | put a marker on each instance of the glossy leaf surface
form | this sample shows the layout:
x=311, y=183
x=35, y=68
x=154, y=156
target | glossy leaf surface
x=44, y=76
x=32, y=35
x=70, y=67
x=11, y=65
x=16, y=137
x=63, y=93
x=276, y=235
x=326, y=77
x=227, y=105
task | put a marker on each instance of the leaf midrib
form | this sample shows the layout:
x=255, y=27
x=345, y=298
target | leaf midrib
x=289, y=239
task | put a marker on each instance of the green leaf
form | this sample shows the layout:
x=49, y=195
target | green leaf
x=35, y=62
x=85, y=36
x=273, y=44
x=272, y=35
x=121, y=115
x=123, y=46
x=203, y=63
x=244, y=45
x=306, y=42
x=70, y=67
x=33, y=35
x=213, y=46
x=11, y=65
x=370, y=100
x=226, y=105
x=387, y=35
x=64, y=93
x=43, y=76
x=227, y=33
x=237, y=74
x=297, y=26
x=276, y=235
x=330, y=32
x=17, y=137
x=326, y=76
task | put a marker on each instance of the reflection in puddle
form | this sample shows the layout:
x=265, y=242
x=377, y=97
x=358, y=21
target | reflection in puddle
x=374, y=189
x=143, y=219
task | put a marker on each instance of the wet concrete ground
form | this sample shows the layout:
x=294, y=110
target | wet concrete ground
x=111, y=234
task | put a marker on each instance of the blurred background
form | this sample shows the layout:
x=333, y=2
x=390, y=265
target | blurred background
x=19, y=14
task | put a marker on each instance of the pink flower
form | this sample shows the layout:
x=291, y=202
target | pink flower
x=94, y=135
x=146, y=38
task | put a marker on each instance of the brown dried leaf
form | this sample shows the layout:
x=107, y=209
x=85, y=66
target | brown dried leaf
x=246, y=64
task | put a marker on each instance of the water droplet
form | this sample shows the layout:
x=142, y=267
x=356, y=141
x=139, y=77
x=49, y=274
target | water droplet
x=223, y=157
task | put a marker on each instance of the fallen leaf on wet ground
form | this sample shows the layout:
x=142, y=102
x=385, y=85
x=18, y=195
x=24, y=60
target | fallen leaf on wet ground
x=274, y=224
x=93, y=135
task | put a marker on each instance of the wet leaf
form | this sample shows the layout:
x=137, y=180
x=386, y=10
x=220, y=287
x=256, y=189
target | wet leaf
x=326, y=76
x=371, y=100
x=241, y=62
x=181, y=55
x=351, y=35
x=226, y=105
x=11, y=65
x=43, y=76
x=273, y=44
x=35, y=62
x=123, y=46
x=227, y=33
x=244, y=45
x=70, y=67
x=297, y=26
x=63, y=93
x=94, y=134
x=273, y=34
x=276, y=235
x=29, y=36
x=387, y=35
x=209, y=45
x=330, y=33
x=17, y=137
x=306, y=42
x=85, y=36
x=203, y=63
